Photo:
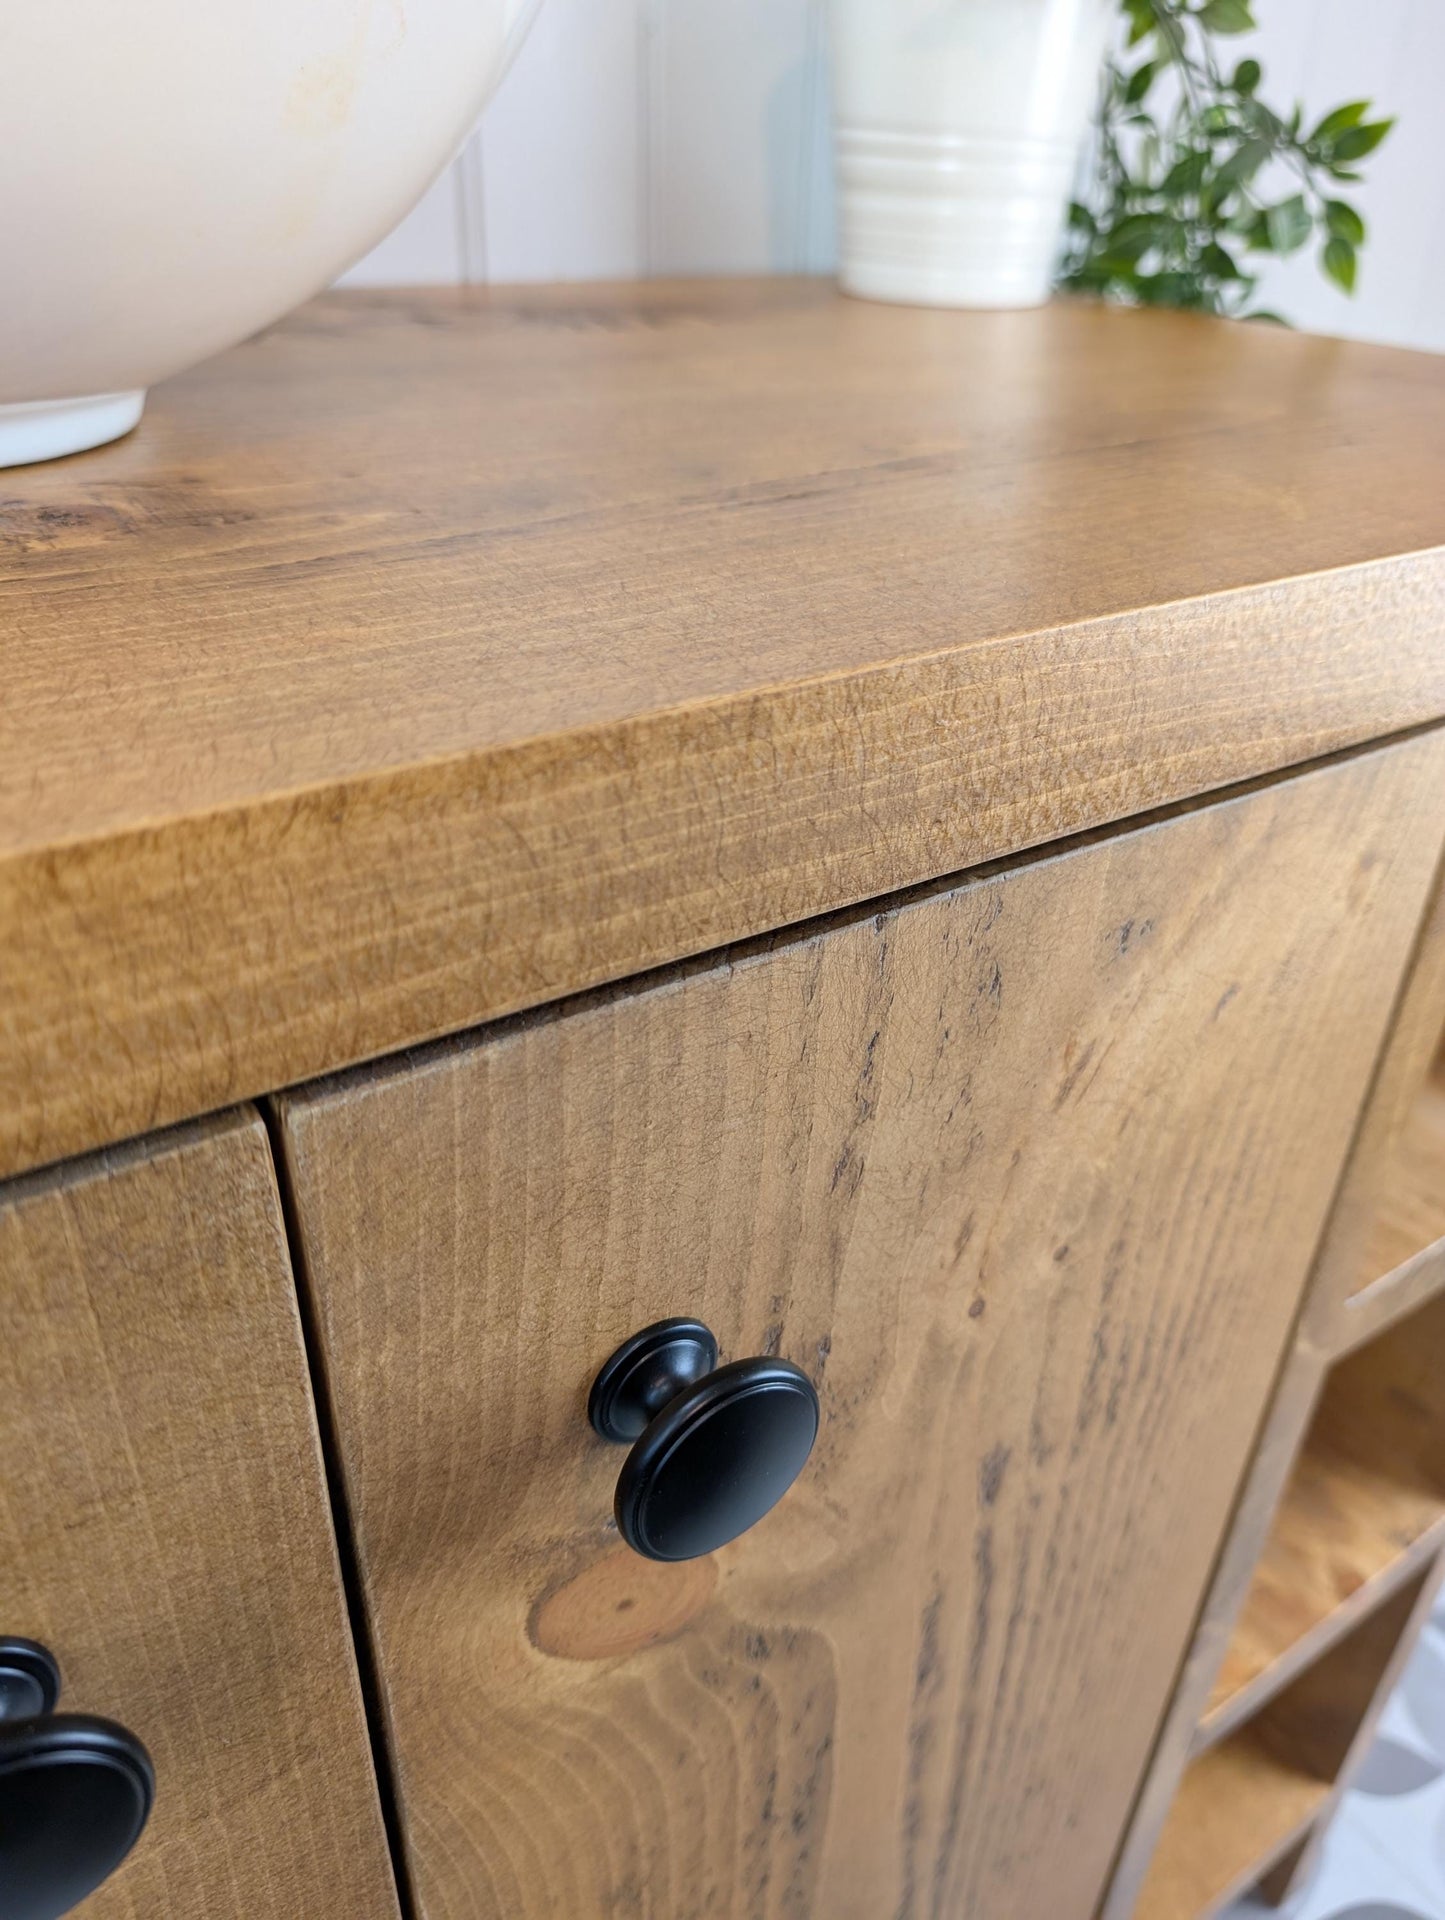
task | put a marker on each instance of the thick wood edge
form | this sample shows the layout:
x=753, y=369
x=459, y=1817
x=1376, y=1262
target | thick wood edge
x=1242, y=1706
x=110, y=1161
x=208, y=959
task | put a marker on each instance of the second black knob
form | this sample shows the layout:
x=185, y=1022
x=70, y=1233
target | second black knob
x=75, y=1791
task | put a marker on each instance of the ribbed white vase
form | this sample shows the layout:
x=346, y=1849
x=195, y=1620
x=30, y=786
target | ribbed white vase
x=958, y=126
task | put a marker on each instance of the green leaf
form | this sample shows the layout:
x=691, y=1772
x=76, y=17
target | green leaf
x=1218, y=264
x=1131, y=238
x=1335, y=123
x=1138, y=82
x=1339, y=261
x=1355, y=142
x=1241, y=166
x=1171, y=288
x=1265, y=121
x=1185, y=175
x=1141, y=19
x=1172, y=215
x=1264, y=314
x=1226, y=16
x=1289, y=224
x=1089, y=276
x=1343, y=223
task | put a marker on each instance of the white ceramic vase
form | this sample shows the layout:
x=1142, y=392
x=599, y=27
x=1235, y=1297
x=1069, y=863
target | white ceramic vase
x=177, y=173
x=958, y=125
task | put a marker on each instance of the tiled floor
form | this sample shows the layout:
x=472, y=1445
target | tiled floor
x=1384, y=1856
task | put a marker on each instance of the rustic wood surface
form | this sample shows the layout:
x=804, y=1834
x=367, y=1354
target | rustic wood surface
x=164, y=1526
x=434, y=655
x=965, y=1160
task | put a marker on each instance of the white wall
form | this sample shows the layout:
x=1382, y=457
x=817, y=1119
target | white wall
x=639, y=137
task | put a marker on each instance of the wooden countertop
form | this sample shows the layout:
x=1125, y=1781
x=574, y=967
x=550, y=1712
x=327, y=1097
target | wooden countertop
x=433, y=655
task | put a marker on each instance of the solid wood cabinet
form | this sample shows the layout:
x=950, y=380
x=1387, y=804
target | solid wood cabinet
x=907, y=835
x=1026, y=1173
x=164, y=1527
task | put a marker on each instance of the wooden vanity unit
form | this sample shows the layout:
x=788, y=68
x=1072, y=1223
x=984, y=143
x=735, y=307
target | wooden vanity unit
x=908, y=841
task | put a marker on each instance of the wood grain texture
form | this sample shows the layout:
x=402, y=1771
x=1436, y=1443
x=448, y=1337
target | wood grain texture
x=164, y=1526
x=433, y=656
x=965, y=1161
x=1363, y=1511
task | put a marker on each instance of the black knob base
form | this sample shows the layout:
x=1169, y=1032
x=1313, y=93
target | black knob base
x=645, y=1373
x=29, y=1679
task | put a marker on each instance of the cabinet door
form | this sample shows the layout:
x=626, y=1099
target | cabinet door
x=164, y=1527
x=1026, y=1173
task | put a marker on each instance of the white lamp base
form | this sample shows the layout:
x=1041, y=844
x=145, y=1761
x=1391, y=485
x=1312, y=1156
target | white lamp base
x=44, y=429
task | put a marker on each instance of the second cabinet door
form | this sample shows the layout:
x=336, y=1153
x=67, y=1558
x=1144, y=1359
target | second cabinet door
x=165, y=1532
x=1026, y=1173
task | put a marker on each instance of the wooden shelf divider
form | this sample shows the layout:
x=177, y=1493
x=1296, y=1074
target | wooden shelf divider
x=1247, y=1805
x=1239, y=1808
x=1364, y=1511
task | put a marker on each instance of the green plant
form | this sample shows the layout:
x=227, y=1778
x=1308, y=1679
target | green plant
x=1174, y=206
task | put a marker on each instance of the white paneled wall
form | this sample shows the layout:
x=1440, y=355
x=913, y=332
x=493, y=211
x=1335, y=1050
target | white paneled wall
x=638, y=137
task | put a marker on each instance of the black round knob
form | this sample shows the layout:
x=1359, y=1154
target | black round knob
x=75, y=1791
x=714, y=1448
